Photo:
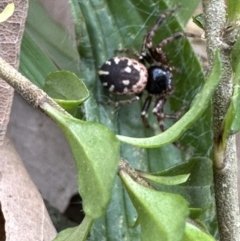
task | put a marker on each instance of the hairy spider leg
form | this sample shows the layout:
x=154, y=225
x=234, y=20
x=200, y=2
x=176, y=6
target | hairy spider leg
x=147, y=40
x=145, y=109
x=176, y=115
x=174, y=37
x=159, y=55
x=128, y=52
x=148, y=58
x=158, y=112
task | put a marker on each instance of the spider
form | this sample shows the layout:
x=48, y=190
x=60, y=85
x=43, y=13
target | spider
x=125, y=76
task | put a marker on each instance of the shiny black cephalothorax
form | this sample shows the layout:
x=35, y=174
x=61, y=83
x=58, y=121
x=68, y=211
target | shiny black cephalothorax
x=125, y=76
x=159, y=81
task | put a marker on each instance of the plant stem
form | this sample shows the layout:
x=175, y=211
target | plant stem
x=225, y=159
x=125, y=167
x=30, y=92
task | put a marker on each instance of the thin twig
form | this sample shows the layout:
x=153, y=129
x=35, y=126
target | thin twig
x=30, y=92
x=225, y=159
x=125, y=167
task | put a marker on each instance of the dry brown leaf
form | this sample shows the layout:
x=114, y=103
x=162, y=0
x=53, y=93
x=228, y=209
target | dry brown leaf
x=40, y=143
x=26, y=217
x=11, y=32
x=45, y=153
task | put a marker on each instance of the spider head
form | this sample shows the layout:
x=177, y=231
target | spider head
x=159, y=81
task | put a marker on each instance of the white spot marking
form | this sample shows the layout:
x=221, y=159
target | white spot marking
x=128, y=70
x=116, y=60
x=111, y=88
x=137, y=67
x=129, y=62
x=108, y=62
x=149, y=45
x=101, y=72
x=126, y=82
x=105, y=84
x=145, y=114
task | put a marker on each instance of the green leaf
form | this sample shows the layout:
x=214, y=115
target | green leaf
x=193, y=233
x=199, y=105
x=197, y=189
x=235, y=61
x=199, y=20
x=96, y=152
x=170, y=180
x=34, y=63
x=233, y=10
x=52, y=38
x=231, y=123
x=78, y=233
x=66, y=89
x=41, y=50
x=195, y=213
x=234, y=109
x=161, y=215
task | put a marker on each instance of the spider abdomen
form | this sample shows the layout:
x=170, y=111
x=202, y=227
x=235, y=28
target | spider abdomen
x=159, y=81
x=123, y=76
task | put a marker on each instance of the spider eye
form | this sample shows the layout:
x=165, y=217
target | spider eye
x=159, y=80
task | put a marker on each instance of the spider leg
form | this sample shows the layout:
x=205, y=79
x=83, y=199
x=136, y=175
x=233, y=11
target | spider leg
x=159, y=55
x=129, y=52
x=158, y=112
x=145, y=108
x=174, y=37
x=120, y=102
x=176, y=115
x=147, y=58
x=147, y=40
